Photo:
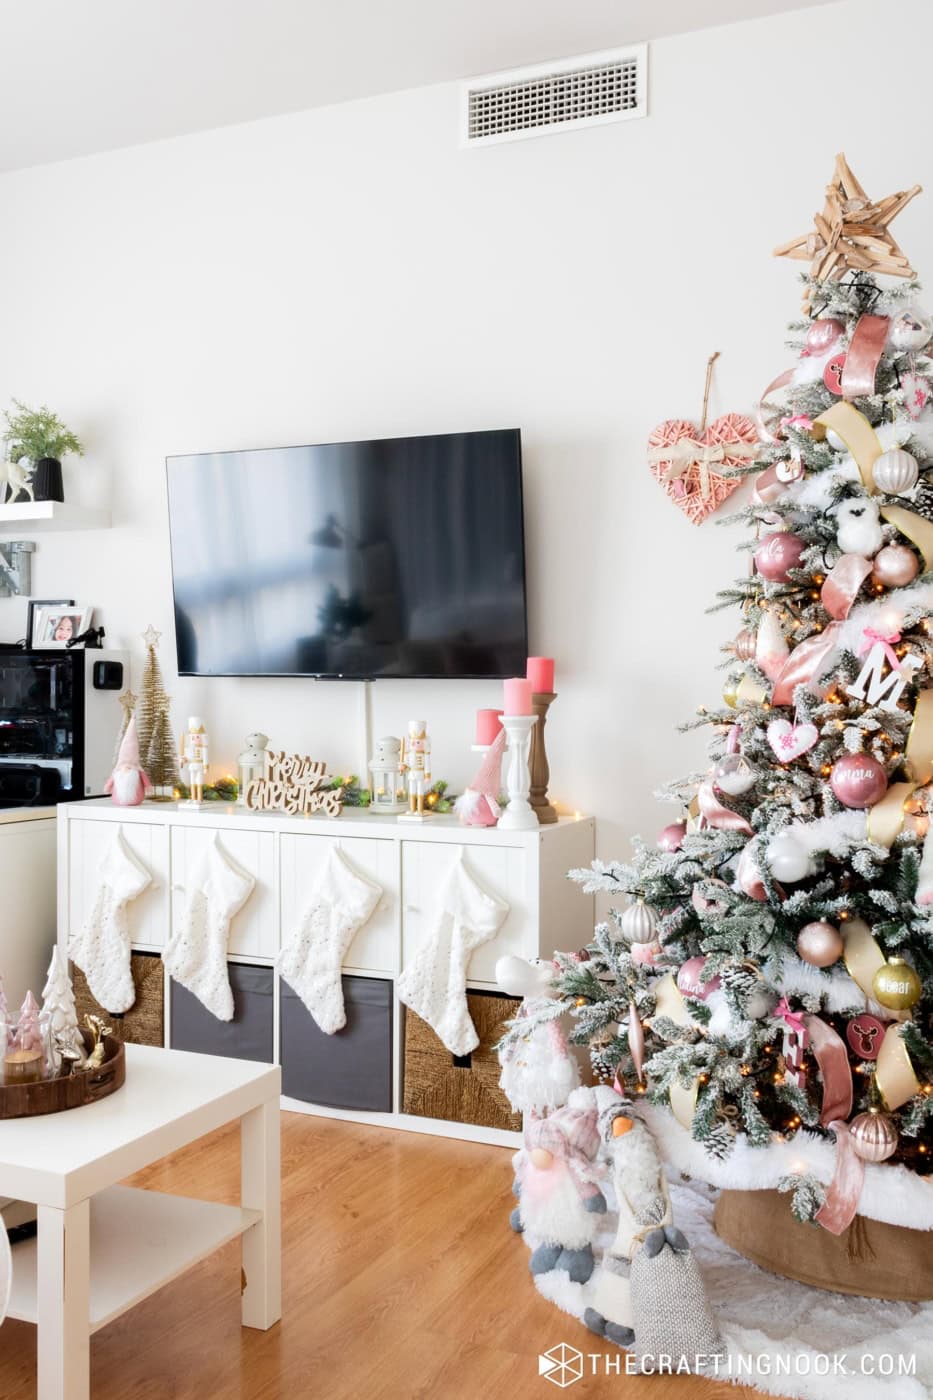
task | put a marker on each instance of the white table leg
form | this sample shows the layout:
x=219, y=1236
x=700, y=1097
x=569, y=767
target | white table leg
x=63, y=1285
x=260, y=1189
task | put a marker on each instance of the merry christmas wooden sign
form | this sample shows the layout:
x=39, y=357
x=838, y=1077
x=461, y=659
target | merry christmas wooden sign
x=294, y=784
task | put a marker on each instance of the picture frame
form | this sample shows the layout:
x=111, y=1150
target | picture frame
x=34, y=605
x=56, y=626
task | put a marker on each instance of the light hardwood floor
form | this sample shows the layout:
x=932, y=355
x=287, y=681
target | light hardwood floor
x=402, y=1280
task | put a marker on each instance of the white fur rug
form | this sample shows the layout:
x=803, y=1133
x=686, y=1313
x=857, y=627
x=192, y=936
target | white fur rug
x=765, y=1319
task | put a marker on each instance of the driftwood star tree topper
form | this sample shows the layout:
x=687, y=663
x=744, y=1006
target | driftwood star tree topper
x=853, y=232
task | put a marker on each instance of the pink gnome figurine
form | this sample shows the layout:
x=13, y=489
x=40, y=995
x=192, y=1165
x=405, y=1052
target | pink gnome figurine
x=560, y=1204
x=479, y=806
x=128, y=784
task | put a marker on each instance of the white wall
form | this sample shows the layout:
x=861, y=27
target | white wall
x=350, y=272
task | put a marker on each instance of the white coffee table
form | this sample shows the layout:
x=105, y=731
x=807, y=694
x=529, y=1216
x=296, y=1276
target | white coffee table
x=101, y=1247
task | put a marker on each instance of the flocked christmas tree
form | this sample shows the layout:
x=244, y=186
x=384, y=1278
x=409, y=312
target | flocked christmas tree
x=153, y=722
x=771, y=976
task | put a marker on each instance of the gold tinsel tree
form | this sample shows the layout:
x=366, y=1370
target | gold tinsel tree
x=153, y=723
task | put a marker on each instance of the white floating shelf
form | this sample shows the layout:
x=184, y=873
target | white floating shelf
x=140, y=1240
x=51, y=515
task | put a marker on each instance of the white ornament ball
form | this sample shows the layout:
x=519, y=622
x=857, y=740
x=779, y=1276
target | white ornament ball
x=639, y=923
x=759, y=1004
x=895, y=472
x=788, y=858
x=734, y=775
x=835, y=441
x=910, y=329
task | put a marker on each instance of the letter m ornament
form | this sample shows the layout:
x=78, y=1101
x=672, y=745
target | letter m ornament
x=876, y=688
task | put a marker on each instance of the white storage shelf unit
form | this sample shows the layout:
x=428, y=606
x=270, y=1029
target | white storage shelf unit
x=284, y=854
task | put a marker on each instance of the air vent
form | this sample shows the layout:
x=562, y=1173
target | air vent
x=585, y=91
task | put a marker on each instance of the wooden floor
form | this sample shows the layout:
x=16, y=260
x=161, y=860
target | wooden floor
x=402, y=1280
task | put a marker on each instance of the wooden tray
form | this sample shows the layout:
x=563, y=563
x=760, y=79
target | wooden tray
x=67, y=1091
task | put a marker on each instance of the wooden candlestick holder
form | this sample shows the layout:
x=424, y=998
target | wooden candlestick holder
x=540, y=772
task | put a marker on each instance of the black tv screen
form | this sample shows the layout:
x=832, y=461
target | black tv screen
x=396, y=557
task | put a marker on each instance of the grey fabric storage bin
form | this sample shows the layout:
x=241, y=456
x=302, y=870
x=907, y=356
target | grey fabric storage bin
x=351, y=1068
x=247, y=1037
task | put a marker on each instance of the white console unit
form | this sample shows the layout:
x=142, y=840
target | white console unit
x=284, y=854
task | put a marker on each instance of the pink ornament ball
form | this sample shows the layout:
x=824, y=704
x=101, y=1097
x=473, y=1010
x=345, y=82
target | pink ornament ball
x=688, y=979
x=858, y=780
x=820, y=943
x=823, y=333
x=895, y=566
x=778, y=553
x=672, y=837
x=646, y=953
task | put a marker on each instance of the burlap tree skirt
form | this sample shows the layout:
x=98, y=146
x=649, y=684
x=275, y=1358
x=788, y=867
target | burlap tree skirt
x=870, y=1259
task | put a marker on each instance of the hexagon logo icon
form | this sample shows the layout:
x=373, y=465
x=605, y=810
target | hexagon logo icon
x=562, y=1365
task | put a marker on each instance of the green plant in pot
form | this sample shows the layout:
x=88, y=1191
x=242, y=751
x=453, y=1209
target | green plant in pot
x=39, y=436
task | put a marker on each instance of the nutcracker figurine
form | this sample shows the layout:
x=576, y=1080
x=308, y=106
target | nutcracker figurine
x=194, y=757
x=416, y=765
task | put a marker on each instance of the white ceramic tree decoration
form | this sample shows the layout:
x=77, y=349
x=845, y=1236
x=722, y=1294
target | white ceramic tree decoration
x=59, y=1018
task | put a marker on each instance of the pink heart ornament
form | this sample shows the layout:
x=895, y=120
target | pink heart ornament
x=789, y=741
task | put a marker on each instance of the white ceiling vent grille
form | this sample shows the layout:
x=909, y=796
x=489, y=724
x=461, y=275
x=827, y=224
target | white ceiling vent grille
x=585, y=91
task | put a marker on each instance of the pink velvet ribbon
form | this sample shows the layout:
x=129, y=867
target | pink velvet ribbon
x=778, y=383
x=803, y=664
x=842, y=1196
x=636, y=1041
x=865, y=350
x=870, y=637
x=833, y=1060
x=714, y=814
x=748, y=877
x=842, y=583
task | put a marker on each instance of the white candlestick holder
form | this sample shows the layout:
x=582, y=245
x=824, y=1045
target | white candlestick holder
x=519, y=815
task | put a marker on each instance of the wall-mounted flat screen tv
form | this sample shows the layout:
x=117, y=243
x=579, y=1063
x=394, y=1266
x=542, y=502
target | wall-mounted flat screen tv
x=397, y=557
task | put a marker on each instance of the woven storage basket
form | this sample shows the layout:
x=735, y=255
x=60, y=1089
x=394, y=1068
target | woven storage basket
x=465, y=1088
x=144, y=1023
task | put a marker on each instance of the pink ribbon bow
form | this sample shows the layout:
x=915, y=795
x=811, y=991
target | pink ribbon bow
x=793, y=1020
x=870, y=637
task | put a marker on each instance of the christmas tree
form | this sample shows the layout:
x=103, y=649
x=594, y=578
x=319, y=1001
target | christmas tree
x=59, y=1018
x=153, y=722
x=771, y=976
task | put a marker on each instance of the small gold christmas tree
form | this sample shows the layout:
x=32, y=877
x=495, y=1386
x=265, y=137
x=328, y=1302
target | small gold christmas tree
x=153, y=722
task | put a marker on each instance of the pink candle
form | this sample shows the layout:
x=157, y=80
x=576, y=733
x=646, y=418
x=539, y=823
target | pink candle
x=487, y=726
x=517, y=699
x=541, y=674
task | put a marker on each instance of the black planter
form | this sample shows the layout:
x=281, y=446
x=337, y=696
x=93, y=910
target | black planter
x=47, y=481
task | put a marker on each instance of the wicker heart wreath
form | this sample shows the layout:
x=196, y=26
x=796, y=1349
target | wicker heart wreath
x=684, y=458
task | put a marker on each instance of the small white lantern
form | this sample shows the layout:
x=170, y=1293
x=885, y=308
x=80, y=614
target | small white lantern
x=385, y=781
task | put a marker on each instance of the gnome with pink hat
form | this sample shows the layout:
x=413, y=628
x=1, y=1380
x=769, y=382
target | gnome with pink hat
x=560, y=1205
x=128, y=784
x=479, y=806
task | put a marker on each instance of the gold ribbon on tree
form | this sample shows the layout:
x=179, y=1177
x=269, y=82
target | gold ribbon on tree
x=886, y=818
x=894, y=1074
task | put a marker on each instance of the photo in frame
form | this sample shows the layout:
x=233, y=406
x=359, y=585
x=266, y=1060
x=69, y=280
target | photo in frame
x=55, y=627
x=34, y=606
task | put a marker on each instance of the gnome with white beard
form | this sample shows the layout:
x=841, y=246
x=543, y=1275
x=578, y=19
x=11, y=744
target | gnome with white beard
x=128, y=784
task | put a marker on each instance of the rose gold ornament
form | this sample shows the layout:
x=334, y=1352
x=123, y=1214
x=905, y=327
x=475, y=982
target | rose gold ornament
x=895, y=566
x=672, y=837
x=744, y=645
x=896, y=985
x=820, y=944
x=823, y=333
x=895, y=472
x=832, y=374
x=874, y=1135
x=778, y=553
x=858, y=780
x=646, y=953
